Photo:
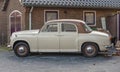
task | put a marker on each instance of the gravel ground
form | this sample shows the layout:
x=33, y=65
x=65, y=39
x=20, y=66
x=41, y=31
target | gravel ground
x=57, y=63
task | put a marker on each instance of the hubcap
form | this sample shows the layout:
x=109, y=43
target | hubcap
x=90, y=49
x=21, y=49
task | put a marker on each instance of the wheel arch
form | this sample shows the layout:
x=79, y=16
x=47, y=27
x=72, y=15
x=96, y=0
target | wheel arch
x=20, y=41
x=91, y=42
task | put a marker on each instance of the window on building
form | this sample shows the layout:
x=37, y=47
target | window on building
x=90, y=17
x=15, y=21
x=51, y=15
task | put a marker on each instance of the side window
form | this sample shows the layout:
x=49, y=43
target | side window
x=68, y=28
x=50, y=28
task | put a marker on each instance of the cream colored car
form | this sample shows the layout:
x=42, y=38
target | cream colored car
x=64, y=35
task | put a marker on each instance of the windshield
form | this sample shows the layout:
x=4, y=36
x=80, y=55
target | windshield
x=87, y=28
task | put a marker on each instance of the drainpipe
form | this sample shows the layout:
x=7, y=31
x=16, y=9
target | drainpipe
x=30, y=18
x=118, y=18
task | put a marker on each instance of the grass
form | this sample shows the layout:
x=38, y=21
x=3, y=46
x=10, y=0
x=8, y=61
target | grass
x=4, y=48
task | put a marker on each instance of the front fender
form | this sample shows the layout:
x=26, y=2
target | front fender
x=32, y=42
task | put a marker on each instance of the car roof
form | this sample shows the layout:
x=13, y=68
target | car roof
x=66, y=20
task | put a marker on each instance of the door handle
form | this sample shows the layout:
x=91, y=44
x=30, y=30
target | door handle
x=59, y=35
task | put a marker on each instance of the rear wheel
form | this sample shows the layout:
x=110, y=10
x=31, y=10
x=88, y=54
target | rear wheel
x=21, y=49
x=90, y=49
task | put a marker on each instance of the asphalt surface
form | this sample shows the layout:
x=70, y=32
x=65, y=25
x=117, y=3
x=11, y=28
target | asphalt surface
x=57, y=63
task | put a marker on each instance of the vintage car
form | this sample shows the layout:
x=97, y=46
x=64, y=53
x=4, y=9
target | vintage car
x=63, y=35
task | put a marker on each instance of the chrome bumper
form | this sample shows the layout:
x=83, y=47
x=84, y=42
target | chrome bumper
x=8, y=46
x=111, y=50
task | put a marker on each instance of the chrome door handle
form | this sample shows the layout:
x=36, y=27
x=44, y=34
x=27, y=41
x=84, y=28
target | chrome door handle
x=59, y=35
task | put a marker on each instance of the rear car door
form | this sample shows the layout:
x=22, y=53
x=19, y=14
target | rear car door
x=68, y=37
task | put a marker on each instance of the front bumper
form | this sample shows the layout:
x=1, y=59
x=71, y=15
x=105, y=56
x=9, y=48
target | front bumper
x=111, y=49
x=8, y=46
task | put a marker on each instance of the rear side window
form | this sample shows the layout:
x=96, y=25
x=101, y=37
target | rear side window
x=68, y=27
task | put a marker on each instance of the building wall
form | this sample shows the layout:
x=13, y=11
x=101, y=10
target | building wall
x=66, y=13
x=3, y=25
x=38, y=16
x=12, y=6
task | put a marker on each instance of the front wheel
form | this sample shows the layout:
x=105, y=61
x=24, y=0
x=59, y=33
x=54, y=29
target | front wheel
x=21, y=49
x=90, y=49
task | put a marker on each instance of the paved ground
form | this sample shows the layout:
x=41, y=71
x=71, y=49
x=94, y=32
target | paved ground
x=57, y=63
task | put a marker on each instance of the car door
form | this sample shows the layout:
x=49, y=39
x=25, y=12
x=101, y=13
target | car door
x=48, y=39
x=68, y=37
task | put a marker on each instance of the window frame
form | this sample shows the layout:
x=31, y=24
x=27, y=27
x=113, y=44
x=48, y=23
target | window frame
x=68, y=23
x=10, y=15
x=45, y=11
x=84, y=17
x=50, y=24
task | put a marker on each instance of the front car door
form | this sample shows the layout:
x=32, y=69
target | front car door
x=68, y=37
x=48, y=40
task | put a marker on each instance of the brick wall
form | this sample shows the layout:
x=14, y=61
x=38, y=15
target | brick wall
x=12, y=6
x=3, y=25
x=38, y=16
x=66, y=13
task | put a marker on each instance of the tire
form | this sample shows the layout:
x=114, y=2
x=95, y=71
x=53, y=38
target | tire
x=90, y=49
x=21, y=49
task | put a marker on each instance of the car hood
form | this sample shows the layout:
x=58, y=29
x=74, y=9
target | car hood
x=99, y=33
x=27, y=32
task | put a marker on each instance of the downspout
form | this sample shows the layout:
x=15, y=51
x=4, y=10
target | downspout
x=30, y=18
x=118, y=18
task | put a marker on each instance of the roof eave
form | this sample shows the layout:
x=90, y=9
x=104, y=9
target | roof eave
x=60, y=6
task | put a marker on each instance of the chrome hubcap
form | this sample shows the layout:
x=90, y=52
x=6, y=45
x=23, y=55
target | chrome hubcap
x=89, y=49
x=21, y=49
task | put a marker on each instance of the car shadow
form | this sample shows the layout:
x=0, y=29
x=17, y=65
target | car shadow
x=59, y=58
